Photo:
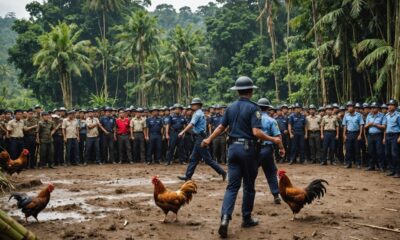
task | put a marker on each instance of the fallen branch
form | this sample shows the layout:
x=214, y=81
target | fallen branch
x=347, y=188
x=378, y=227
x=390, y=209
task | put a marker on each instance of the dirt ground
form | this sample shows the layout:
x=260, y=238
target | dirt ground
x=116, y=202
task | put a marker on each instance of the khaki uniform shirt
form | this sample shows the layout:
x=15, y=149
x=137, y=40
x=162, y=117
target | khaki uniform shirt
x=16, y=128
x=329, y=123
x=313, y=123
x=29, y=123
x=56, y=122
x=92, y=132
x=138, y=124
x=71, y=128
x=3, y=128
x=44, y=131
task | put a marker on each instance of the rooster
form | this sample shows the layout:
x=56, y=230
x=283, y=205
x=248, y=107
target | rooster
x=172, y=201
x=14, y=166
x=295, y=197
x=32, y=206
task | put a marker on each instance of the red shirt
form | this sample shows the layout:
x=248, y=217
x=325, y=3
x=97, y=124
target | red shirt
x=122, y=126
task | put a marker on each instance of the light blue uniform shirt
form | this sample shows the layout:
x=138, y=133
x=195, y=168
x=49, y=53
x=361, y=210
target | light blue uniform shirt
x=353, y=121
x=376, y=119
x=392, y=122
x=198, y=121
x=269, y=126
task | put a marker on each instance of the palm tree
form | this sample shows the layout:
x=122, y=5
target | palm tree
x=139, y=36
x=103, y=49
x=63, y=54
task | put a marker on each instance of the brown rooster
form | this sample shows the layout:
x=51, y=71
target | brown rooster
x=295, y=197
x=14, y=166
x=172, y=201
x=32, y=206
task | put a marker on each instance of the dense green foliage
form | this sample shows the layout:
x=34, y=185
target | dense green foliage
x=295, y=50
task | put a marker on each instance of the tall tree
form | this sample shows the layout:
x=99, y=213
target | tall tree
x=62, y=53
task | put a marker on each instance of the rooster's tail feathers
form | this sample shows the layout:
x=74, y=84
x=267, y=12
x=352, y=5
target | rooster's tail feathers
x=189, y=188
x=316, y=189
x=22, y=199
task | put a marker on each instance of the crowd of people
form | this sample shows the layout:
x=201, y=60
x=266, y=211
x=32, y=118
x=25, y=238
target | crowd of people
x=361, y=135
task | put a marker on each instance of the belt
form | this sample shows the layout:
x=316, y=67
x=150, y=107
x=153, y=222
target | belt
x=138, y=132
x=372, y=134
x=329, y=130
x=391, y=134
x=353, y=131
x=123, y=134
x=313, y=131
x=17, y=138
x=242, y=141
x=264, y=144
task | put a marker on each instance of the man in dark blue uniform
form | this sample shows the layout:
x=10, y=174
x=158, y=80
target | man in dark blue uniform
x=282, y=121
x=243, y=118
x=375, y=128
x=176, y=124
x=107, y=139
x=155, y=128
x=392, y=138
x=199, y=127
x=352, y=133
x=298, y=134
x=219, y=143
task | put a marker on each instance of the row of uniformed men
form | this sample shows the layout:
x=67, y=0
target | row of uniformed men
x=137, y=134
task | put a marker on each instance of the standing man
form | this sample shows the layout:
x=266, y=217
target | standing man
x=154, y=135
x=107, y=136
x=266, y=157
x=176, y=124
x=352, y=134
x=298, y=134
x=314, y=134
x=58, y=139
x=329, y=135
x=82, y=133
x=3, y=130
x=15, y=132
x=122, y=136
x=198, y=125
x=70, y=129
x=30, y=131
x=392, y=138
x=45, y=130
x=243, y=118
x=92, y=140
x=282, y=121
x=375, y=127
x=138, y=126
x=219, y=143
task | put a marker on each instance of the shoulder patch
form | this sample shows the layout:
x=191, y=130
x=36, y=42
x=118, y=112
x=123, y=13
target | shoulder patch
x=258, y=114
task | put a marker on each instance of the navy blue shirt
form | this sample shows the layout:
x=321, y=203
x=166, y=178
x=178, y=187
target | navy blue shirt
x=215, y=121
x=282, y=123
x=177, y=122
x=242, y=116
x=298, y=122
x=108, y=123
x=154, y=124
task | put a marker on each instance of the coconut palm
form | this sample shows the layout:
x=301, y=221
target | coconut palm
x=62, y=53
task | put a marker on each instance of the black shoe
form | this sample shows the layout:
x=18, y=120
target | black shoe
x=223, y=228
x=183, y=178
x=397, y=175
x=223, y=176
x=277, y=199
x=167, y=164
x=148, y=163
x=391, y=174
x=359, y=166
x=249, y=222
x=348, y=166
x=324, y=164
x=52, y=167
x=333, y=163
x=370, y=169
x=183, y=163
x=291, y=162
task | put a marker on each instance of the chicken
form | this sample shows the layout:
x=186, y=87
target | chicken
x=14, y=166
x=172, y=201
x=295, y=197
x=32, y=206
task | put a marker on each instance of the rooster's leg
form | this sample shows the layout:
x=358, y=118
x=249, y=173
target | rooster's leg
x=294, y=217
x=176, y=217
x=165, y=219
x=26, y=220
x=37, y=220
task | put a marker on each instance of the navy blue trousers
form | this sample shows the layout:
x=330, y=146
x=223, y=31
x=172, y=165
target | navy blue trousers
x=297, y=147
x=352, y=149
x=175, y=143
x=328, y=144
x=154, y=148
x=242, y=166
x=375, y=150
x=72, y=151
x=392, y=152
x=92, y=146
x=267, y=162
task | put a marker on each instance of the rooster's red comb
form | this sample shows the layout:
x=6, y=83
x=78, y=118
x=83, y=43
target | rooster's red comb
x=281, y=171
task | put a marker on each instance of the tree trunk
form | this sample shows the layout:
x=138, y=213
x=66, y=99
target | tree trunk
x=187, y=86
x=288, y=6
x=320, y=61
x=271, y=32
x=397, y=51
x=179, y=81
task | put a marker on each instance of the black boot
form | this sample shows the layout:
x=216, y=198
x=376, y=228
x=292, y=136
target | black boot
x=249, y=222
x=223, y=228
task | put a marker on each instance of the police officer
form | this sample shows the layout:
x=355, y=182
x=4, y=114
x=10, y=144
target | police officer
x=188, y=137
x=392, y=138
x=45, y=130
x=107, y=138
x=329, y=134
x=15, y=133
x=243, y=118
x=30, y=130
x=58, y=139
x=176, y=124
x=352, y=134
x=374, y=126
x=282, y=121
x=138, y=125
x=219, y=143
x=266, y=157
x=314, y=136
x=199, y=126
x=298, y=133
x=155, y=131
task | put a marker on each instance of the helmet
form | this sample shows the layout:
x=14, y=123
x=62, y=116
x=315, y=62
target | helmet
x=335, y=105
x=263, y=102
x=384, y=106
x=37, y=106
x=342, y=108
x=154, y=108
x=62, y=109
x=392, y=102
x=217, y=106
x=196, y=101
x=321, y=109
x=357, y=105
x=374, y=105
x=140, y=110
x=107, y=109
x=365, y=105
x=329, y=107
x=243, y=83
x=312, y=106
x=350, y=103
x=297, y=105
x=177, y=105
x=284, y=106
